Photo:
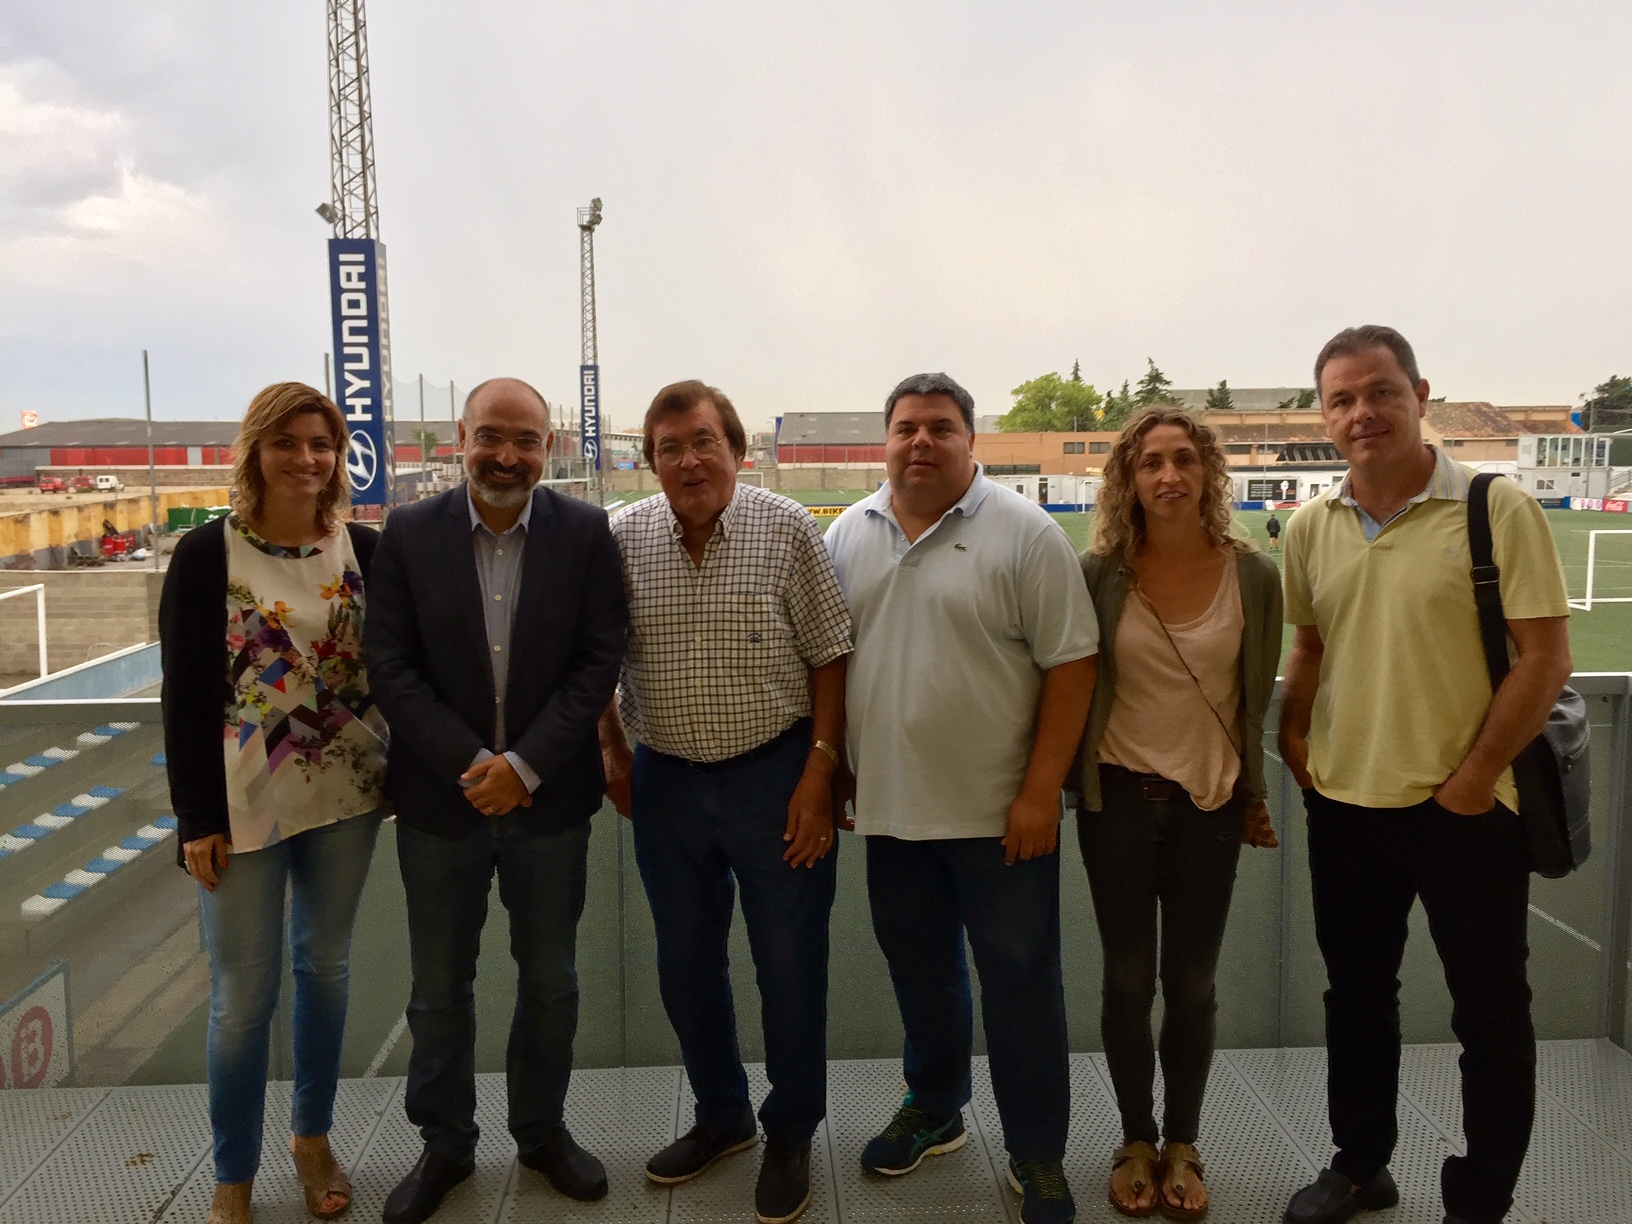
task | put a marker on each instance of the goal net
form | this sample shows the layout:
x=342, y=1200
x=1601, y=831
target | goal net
x=1608, y=569
x=747, y=476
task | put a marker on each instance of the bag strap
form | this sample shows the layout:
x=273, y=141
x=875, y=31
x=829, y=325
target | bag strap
x=1487, y=589
x=1206, y=700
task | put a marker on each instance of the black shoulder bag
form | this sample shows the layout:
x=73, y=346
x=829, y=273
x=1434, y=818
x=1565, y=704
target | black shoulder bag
x=1552, y=773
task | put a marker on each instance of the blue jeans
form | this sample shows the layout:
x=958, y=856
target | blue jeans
x=924, y=896
x=541, y=884
x=698, y=836
x=323, y=870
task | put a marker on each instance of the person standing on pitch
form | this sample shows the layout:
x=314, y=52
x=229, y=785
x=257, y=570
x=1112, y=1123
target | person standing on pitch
x=1389, y=724
x=496, y=627
x=1273, y=528
x=969, y=688
x=734, y=689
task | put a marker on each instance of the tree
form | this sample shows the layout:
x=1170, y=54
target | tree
x=1051, y=404
x=1076, y=371
x=425, y=438
x=1154, y=387
x=1306, y=399
x=1117, y=409
x=1609, y=407
x=1219, y=398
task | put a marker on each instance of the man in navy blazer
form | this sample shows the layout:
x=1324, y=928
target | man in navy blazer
x=495, y=629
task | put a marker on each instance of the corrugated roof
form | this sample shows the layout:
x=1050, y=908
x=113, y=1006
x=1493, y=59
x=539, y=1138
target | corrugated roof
x=832, y=429
x=130, y=431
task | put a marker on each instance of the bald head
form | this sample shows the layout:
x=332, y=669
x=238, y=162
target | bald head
x=508, y=389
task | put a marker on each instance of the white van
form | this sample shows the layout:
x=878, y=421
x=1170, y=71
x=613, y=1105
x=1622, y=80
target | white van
x=109, y=484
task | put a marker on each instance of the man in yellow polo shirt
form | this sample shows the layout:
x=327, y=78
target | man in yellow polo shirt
x=1390, y=726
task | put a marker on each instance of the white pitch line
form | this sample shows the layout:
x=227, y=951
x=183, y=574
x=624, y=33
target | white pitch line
x=1567, y=929
x=384, y=1052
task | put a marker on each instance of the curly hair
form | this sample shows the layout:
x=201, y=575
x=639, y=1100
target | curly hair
x=1119, y=519
x=271, y=410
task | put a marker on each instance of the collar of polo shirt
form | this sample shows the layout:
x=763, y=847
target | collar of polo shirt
x=879, y=502
x=1448, y=483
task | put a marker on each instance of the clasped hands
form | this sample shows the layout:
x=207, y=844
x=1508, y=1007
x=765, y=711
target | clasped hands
x=494, y=788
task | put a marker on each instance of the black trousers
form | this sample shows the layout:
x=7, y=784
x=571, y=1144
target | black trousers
x=1159, y=863
x=1367, y=867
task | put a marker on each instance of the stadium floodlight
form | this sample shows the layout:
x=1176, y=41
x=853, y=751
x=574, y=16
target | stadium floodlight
x=326, y=211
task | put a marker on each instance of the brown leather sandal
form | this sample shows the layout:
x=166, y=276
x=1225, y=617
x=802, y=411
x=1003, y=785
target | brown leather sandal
x=1181, y=1163
x=321, y=1176
x=231, y=1203
x=1143, y=1157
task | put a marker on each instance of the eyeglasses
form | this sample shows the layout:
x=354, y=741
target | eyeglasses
x=490, y=439
x=704, y=446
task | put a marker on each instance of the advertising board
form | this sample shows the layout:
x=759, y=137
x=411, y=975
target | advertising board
x=362, y=353
x=589, y=414
x=1283, y=490
x=36, y=1040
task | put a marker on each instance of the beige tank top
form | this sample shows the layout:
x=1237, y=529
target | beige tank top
x=1160, y=723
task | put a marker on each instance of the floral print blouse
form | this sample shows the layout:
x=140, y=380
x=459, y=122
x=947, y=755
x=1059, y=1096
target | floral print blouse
x=304, y=743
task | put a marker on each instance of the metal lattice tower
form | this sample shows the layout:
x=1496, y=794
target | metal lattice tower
x=354, y=209
x=588, y=219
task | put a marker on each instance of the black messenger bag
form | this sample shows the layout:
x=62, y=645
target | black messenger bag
x=1552, y=773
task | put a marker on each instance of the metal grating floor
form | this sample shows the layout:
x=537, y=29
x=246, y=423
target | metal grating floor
x=141, y=1154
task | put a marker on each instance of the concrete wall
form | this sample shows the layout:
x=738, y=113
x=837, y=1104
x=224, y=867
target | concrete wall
x=87, y=613
x=40, y=539
x=135, y=478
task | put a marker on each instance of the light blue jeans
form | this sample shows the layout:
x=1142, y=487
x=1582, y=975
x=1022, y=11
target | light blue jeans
x=323, y=871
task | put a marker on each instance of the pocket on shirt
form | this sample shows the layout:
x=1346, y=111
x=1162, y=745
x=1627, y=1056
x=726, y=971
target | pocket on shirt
x=754, y=632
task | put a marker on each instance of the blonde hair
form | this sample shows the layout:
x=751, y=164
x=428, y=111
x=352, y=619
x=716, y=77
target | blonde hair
x=268, y=413
x=1119, y=519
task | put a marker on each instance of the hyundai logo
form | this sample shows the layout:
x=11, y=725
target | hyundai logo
x=362, y=461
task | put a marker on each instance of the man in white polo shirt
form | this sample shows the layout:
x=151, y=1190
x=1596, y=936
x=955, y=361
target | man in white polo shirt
x=969, y=687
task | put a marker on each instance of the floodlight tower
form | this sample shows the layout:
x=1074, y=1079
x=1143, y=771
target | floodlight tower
x=362, y=330
x=589, y=369
x=353, y=209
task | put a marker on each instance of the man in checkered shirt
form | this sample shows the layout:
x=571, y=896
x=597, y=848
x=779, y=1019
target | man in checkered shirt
x=733, y=687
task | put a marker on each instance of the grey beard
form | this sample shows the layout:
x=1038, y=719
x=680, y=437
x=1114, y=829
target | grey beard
x=500, y=498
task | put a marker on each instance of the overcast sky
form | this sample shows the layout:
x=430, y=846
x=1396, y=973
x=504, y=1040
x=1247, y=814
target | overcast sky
x=806, y=202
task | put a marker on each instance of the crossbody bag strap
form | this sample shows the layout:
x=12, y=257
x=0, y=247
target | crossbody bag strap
x=1487, y=579
x=1206, y=700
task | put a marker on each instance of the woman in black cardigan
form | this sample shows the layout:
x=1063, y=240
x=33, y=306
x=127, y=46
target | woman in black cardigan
x=276, y=758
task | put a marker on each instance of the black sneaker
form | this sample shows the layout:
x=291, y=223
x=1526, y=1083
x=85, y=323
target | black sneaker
x=1045, y=1197
x=692, y=1153
x=911, y=1135
x=783, y=1191
x=1333, y=1199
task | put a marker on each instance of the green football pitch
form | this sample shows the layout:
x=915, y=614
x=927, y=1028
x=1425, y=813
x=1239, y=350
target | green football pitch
x=1600, y=640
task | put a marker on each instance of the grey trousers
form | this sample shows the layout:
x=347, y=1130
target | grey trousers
x=1159, y=863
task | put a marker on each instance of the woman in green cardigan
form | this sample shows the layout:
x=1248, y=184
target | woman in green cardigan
x=1172, y=778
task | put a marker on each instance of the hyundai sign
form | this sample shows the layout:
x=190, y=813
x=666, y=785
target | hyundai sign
x=362, y=348
x=589, y=414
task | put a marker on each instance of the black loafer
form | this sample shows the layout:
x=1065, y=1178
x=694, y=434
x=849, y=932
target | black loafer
x=570, y=1169
x=1333, y=1199
x=418, y=1195
x=783, y=1191
x=688, y=1156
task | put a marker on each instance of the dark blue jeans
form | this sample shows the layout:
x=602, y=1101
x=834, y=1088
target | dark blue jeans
x=698, y=837
x=541, y=883
x=924, y=895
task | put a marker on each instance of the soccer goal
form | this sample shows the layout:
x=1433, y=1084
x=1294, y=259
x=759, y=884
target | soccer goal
x=751, y=476
x=1611, y=575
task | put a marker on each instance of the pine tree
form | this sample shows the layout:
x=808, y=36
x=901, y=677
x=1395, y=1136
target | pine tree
x=1076, y=371
x=1118, y=407
x=1219, y=398
x=1306, y=399
x=1154, y=387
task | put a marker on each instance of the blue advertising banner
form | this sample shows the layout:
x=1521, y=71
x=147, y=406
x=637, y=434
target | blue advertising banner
x=589, y=414
x=362, y=356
